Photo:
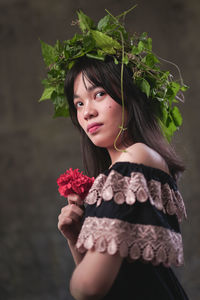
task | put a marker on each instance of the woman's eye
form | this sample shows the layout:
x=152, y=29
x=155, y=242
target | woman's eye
x=78, y=104
x=99, y=94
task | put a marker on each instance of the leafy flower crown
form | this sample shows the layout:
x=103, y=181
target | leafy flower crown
x=109, y=38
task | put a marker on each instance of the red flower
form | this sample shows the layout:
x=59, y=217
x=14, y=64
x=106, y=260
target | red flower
x=73, y=181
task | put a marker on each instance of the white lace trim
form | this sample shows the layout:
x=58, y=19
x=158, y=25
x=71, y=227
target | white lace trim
x=124, y=189
x=135, y=241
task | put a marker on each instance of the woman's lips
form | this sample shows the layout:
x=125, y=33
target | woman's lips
x=94, y=128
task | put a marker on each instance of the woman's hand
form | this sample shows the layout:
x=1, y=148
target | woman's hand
x=69, y=220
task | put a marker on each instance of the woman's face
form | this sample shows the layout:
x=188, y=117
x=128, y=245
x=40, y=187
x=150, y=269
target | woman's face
x=97, y=113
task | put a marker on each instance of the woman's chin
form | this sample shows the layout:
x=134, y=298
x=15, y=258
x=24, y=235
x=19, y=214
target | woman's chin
x=100, y=143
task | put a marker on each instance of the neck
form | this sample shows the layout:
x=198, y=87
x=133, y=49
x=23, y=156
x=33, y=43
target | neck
x=116, y=153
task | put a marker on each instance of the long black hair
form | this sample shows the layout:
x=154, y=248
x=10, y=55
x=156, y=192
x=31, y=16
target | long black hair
x=142, y=124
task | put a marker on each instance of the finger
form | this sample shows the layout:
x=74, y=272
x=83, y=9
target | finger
x=68, y=209
x=77, y=209
x=73, y=218
x=63, y=222
x=62, y=218
x=76, y=199
x=73, y=212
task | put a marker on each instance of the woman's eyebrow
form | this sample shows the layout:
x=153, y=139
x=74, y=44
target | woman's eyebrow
x=75, y=96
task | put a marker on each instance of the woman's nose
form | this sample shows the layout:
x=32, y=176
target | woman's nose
x=90, y=111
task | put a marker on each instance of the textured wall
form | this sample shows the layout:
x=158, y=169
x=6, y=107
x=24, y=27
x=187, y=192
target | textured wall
x=34, y=259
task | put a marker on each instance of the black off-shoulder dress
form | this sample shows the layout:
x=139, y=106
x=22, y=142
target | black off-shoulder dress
x=135, y=210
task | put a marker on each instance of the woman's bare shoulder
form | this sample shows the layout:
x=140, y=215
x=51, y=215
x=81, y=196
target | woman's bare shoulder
x=142, y=154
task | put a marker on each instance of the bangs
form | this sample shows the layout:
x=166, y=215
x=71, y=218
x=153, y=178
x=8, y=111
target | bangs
x=92, y=76
x=103, y=74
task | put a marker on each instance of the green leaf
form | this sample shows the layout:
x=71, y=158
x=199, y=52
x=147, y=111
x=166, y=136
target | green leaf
x=116, y=61
x=103, y=23
x=141, y=46
x=62, y=111
x=184, y=88
x=47, y=93
x=168, y=129
x=164, y=114
x=150, y=60
x=70, y=64
x=144, y=86
x=45, y=82
x=149, y=44
x=175, y=87
x=96, y=56
x=105, y=42
x=48, y=53
x=135, y=50
x=172, y=91
x=76, y=38
x=88, y=43
x=176, y=115
x=126, y=60
x=164, y=76
x=85, y=22
x=170, y=121
x=58, y=99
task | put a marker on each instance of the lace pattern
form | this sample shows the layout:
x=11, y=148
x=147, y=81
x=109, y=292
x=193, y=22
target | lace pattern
x=124, y=189
x=134, y=241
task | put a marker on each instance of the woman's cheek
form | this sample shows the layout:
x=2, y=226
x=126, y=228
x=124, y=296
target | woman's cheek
x=80, y=121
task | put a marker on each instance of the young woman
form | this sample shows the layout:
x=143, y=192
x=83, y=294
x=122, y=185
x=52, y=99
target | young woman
x=127, y=236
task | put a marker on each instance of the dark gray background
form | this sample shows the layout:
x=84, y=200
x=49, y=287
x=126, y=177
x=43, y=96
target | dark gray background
x=35, y=262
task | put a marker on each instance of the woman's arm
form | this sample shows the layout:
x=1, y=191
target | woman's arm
x=77, y=256
x=94, y=276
